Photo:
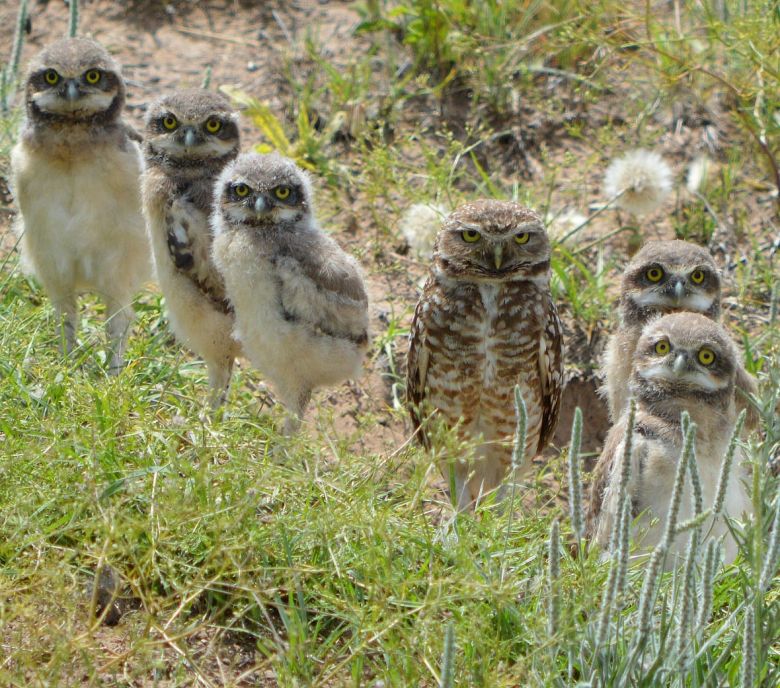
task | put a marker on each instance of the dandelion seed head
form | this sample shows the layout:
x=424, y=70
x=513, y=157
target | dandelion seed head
x=420, y=224
x=640, y=181
x=698, y=172
x=561, y=223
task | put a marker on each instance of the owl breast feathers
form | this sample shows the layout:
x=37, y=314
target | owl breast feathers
x=485, y=323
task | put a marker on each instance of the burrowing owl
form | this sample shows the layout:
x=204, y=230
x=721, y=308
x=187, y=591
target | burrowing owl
x=682, y=362
x=300, y=302
x=486, y=322
x=190, y=137
x=76, y=173
x=663, y=277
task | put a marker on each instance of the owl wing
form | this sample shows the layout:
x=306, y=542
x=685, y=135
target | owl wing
x=550, y=374
x=417, y=370
x=746, y=387
x=189, y=242
x=597, y=506
x=322, y=285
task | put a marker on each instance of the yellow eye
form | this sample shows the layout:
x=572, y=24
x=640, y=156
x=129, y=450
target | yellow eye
x=706, y=356
x=241, y=190
x=213, y=126
x=470, y=236
x=697, y=276
x=92, y=76
x=662, y=347
x=282, y=192
x=522, y=238
x=51, y=77
x=654, y=274
x=170, y=122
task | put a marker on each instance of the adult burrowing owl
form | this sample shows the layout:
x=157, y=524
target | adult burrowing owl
x=682, y=362
x=486, y=322
x=190, y=137
x=663, y=277
x=300, y=302
x=76, y=174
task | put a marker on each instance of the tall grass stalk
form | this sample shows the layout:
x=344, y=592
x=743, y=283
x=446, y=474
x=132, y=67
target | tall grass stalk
x=575, y=478
x=73, y=18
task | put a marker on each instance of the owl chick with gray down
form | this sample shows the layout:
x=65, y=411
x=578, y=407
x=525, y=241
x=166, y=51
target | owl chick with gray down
x=76, y=176
x=485, y=322
x=664, y=277
x=190, y=136
x=681, y=362
x=300, y=303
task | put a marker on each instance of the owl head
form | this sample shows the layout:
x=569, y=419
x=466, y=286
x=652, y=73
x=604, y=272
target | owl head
x=191, y=129
x=684, y=359
x=263, y=192
x=669, y=276
x=72, y=81
x=491, y=240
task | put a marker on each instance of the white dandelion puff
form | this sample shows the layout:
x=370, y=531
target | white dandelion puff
x=698, y=172
x=561, y=225
x=639, y=182
x=420, y=224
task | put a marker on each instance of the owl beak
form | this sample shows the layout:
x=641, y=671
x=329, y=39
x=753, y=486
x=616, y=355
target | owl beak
x=679, y=290
x=189, y=137
x=679, y=363
x=72, y=90
x=498, y=255
x=261, y=205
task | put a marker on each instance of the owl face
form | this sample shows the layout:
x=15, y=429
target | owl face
x=667, y=276
x=191, y=126
x=74, y=79
x=493, y=241
x=264, y=191
x=685, y=354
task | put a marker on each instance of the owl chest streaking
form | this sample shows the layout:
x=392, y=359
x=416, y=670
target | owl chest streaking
x=190, y=137
x=485, y=323
x=76, y=173
x=682, y=362
x=301, y=307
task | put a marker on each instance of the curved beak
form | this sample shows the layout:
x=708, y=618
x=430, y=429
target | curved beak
x=679, y=290
x=261, y=205
x=679, y=363
x=498, y=256
x=189, y=137
x=72, y=90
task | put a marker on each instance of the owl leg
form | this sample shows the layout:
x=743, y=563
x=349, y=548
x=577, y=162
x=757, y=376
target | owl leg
x=119, y=315
x=67, y=310
x=296, y=404
x=220, y=373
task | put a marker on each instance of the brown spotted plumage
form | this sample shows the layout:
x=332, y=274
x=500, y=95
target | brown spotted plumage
x=486, y=322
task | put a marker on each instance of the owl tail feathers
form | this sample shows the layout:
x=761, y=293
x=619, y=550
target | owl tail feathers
x=420, y=224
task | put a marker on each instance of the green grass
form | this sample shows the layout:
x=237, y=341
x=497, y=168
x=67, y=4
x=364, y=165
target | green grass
x=244, y=555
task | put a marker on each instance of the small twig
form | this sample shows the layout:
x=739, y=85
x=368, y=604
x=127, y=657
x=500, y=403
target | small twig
x=216, y=37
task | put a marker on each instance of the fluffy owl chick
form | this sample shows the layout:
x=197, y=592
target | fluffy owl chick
x=663, y=277
x=486, y=322
x=300, y=303
x=190, y=137
x=682, y=362
x=76, y=173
